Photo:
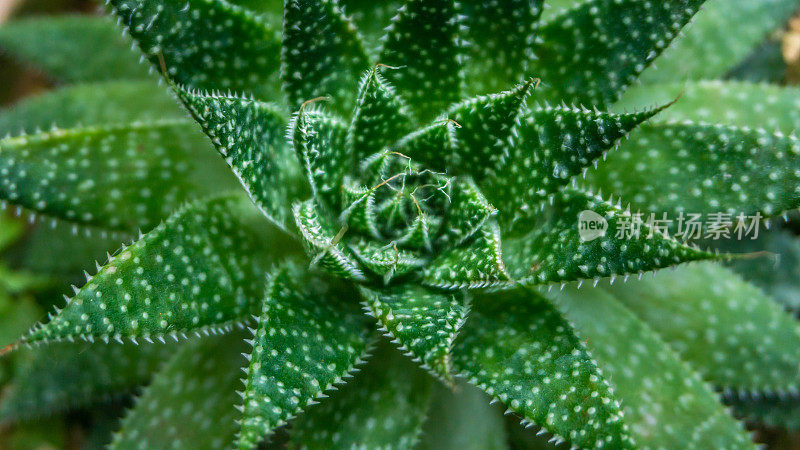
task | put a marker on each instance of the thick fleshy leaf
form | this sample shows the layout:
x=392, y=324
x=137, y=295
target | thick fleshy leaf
x=476, y=264
x=591, y=53
x=463, y=418
x=666, y=404
x=324, y=243
x=90, y=104
x=553, y=147
x=736, y=103
x=380, y=118
x=501, y=36
x=58, y=377
x=423, y=43
x=305, y=342
x=559, y=250
x=383, y=407
x=422, y=321
x=431, y=146
x=516, y=347
x=205, y=44
x=54, y=44
x=321, y=54
x=190, y=402
x=468, y=212
x=251, y=136
x=200, y=270
x=387, y=261
x=371, y=18
x=705, y=169
x=728, y=330
x=708, y=49
x=116, y=177
x=768, y=410
x=319, y=140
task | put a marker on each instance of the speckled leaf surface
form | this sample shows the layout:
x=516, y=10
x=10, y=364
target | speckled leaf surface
x=423, y=42
x=384, y=406
x=591, y=53
x=727, y=329
x=250, y=136
x=554, y=252
x=502, y=36
x=321, y=54
x=55, y=378
x=202, y=269
x=191, y=401
x=705, y=169
x=707, y=50
x=205, y=44
x=517, y=348
x=423, y=322
x=53, y=44
x=666, y=404
x=116, y=177
x=770, y=411
x=476, y=264
x=305, y=342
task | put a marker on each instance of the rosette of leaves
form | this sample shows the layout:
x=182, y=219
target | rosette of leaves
x=428, y=158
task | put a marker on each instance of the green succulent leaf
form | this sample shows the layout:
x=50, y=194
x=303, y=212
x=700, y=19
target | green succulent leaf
x=666, y=404
x=319, y=140
x=102, y=103
x=305, y=343
x=422, y=321
x=708, y=49
x=516, y=347
x=200, y=270
x=502, y=38
x=423, y=42
x=462, y=417
x=322, y=240
x=205, y=44
x=387, y=261
x=54, y=44
x=250, y=135
x=190, y=402
x=591, y=53
x=705, y=169
x=380, y=118
x=741, y=104
x=469, y=211
x=728, y=330
x=768, y=410
x=555, y=252
x=383, y=407
x=553, y=146
x=322, y=54
x=116, y=177
x=476, y=264
x=55, y=378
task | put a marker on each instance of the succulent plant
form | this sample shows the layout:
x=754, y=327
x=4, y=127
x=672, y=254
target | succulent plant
x=434, y=174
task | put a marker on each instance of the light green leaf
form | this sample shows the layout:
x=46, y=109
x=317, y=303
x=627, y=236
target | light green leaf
x=468, y=212
x=73, y=48
x=190, y=402
x=422, y=321
x=423, y=43
x=201, y=270
x=705, y=169
x=666, y=404
x=205, y=44
x=305, y=342
x=250, y=135
x=322, y=54
x=53, y=379
x=591, y=53
x=387, y=261
x=116, y=177
x=555, y=251
x=728, y=330
x=383, y=407
x=517, y=348
x=708, y=48
x=502, y=37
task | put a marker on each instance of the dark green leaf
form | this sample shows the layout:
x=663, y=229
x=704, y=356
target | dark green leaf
x=305, y=343
x=768, y=410
x=516, y=347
